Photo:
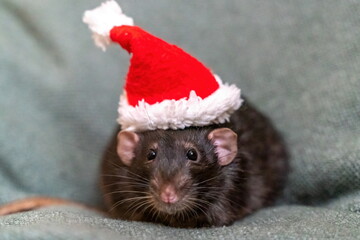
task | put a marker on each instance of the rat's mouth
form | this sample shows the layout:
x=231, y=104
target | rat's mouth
x=170, y=208
x=171, y=198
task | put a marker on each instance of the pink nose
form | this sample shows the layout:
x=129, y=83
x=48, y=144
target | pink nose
x=168, y=194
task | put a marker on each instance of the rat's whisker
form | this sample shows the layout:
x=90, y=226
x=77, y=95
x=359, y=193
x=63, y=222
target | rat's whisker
x=140, y=180
x=127, y=184
x=127, y=200
x=207, y=180
x=137, y=175
x=136, y=208
x=124, y=191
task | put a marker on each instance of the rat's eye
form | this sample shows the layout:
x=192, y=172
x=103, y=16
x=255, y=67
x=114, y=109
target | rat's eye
x=192, y=155
x=151, y=155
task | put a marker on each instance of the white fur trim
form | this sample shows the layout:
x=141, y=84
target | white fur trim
x=171, y=114
x=102, y=19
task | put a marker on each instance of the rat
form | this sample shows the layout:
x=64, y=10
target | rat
x=194, y=177
x=198, y=176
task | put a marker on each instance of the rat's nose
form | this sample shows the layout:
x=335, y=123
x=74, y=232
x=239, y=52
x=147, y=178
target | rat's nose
x=168, y=194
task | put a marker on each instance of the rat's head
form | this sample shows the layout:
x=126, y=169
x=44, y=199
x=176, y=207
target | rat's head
x=176, y=171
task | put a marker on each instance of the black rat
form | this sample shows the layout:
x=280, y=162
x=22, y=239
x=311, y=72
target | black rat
x=198, y=176
x=192, y=177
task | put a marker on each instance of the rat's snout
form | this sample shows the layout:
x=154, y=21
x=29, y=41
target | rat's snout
x=168, y=194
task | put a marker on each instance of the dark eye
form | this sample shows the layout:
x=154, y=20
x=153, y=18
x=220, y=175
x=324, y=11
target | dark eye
x=192, y=155
x=151, y=155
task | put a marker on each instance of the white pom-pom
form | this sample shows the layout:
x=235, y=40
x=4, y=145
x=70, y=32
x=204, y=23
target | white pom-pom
x=102, y=19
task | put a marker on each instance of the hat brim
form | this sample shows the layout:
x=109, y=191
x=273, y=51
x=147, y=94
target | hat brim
x=179, y=114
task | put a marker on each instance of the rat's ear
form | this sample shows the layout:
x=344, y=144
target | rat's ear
x=225, y=142
x=127, y=142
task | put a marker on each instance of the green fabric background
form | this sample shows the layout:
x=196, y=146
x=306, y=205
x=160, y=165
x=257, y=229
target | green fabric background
x=297, y=61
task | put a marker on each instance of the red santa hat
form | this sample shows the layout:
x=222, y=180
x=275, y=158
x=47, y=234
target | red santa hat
x=165, y=88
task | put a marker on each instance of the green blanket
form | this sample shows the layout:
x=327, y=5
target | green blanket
x=297, y=61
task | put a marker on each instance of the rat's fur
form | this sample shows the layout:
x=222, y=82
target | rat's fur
x=211, y=194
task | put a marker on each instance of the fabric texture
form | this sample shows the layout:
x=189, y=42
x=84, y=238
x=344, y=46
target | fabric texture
x=297, y=61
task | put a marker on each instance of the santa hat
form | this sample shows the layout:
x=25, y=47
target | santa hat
x=165, y=87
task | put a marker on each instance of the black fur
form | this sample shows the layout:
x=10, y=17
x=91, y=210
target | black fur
x=225, y=193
